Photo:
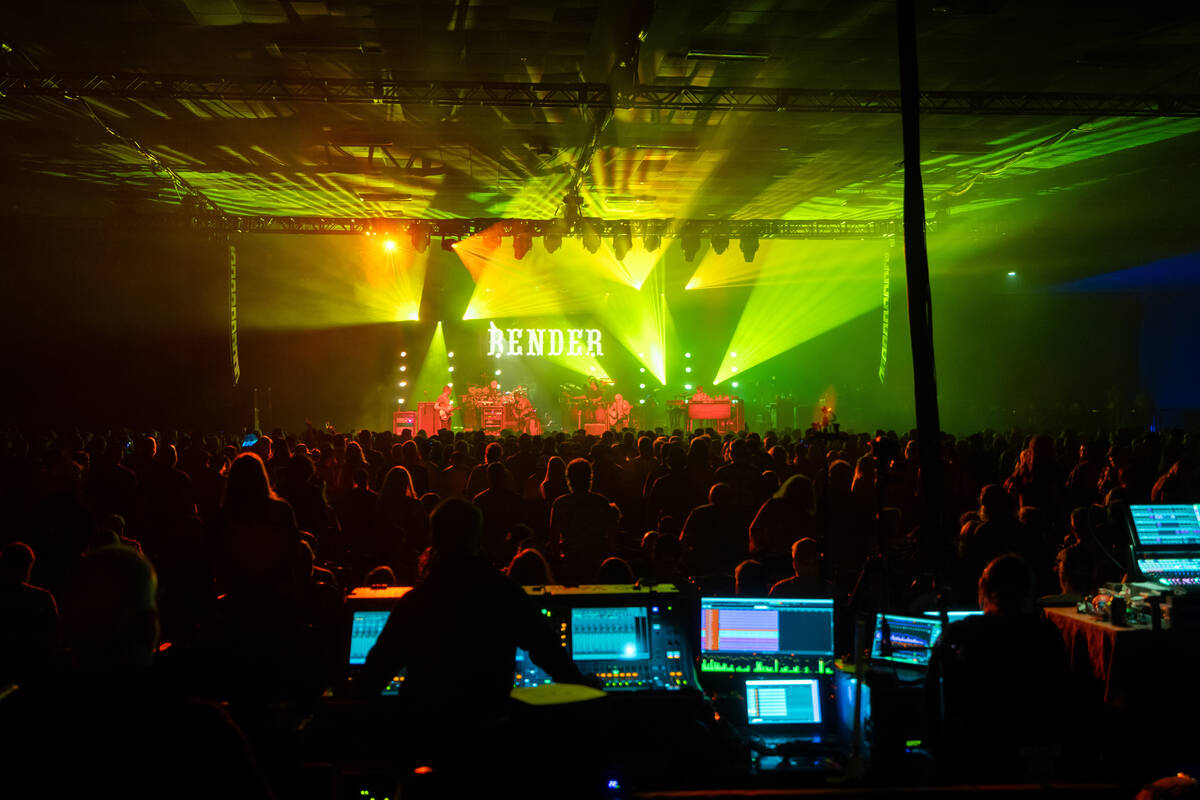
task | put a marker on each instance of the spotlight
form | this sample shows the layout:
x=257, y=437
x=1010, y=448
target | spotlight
x=734, y=384
x=522, y=241
x=420, y=236
x=642, y=401
x=497, y=373
x=403, y=368
x=641, y=386
x=641, y=369
x=450, y=369
x=733, y=369
x=490, y=238
x=389, y=245
x=687, y=355
x=687, y=370
x=733, y=355
x=690, y=244
x=749, y=247
x=651, y=242
x=687, y=386
x=401, y=401
x=403, y=384
x=622, y=242
x=591, y=239
x=720, y=241
x=450, y=354
x=1012, y=274
x=404, y=354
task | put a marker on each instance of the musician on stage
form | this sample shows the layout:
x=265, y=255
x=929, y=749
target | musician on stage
x=618, y=411
x=444, y=406
x=595, y=400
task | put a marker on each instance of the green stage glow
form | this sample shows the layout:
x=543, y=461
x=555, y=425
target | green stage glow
x=641, y=321
x=434, y=372
x=818, y=286
x=536, y=285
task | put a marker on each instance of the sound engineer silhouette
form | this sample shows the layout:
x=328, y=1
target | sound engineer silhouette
x=457, y=631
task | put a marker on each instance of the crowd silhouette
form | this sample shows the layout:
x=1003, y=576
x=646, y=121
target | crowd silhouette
x=221, y=569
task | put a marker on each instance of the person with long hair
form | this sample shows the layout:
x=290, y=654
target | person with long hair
x=256, y=534
x=401, y=524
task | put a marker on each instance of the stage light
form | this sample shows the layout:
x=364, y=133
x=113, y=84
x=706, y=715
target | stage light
x=720, y=241
x=733, y=369
x=651, y=241
x=733, y=355
x=687, y=386
x=749, y=247
x=641, y=355
x=687, y=370
x=404, y=354
x=591, y=239
x=641, y=369
x=1012, y=274
x=622, y=242
x=734, y=384
x=403, y=384
x=641, y=386
x=490, y=239
x=450, y=354
x=522, y=241
x=403, y=368
x=450, y=369
x=642, y=402
x=497, y=372
x=690, y=244
x=420, y=236
x=449, y=244
x=401, y=401
x=687, y=355
x=389, y=245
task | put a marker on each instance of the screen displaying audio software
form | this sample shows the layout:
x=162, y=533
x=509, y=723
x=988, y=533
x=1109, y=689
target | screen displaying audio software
x=1166, y=525
x=364, y=630
x=734, y=625
x=605, y=634
x=783, y=702
x=906, y=640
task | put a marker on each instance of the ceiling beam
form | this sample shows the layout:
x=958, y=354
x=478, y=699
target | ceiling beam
x=585, y=95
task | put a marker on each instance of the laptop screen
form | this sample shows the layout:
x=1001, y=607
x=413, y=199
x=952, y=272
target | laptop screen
x=802, y=627
x=905, y=640
x=1165, y=526
x=364, y=630
x=783, y=702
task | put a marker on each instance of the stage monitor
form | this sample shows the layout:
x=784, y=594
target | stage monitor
x=905, y=640
x=783, y=702
x=1159, y=526
x=610, y=634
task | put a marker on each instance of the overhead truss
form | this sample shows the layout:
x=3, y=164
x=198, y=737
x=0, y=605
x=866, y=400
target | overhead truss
x=218, y=223
x=584, y=95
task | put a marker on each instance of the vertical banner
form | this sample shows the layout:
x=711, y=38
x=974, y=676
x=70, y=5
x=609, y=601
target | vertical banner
x=233, y=322
x=887, y=277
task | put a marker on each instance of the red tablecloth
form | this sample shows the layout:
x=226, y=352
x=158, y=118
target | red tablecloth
x=1132, y=666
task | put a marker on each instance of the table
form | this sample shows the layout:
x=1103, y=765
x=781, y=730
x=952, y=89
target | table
x=1133, y=666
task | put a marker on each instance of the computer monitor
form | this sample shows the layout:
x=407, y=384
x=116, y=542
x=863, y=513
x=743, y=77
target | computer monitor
x=767, y=626
x=1159, y=526
x=783, y=702
x=905, y=640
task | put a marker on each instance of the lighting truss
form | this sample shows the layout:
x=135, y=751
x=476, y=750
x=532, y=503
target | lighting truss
x=585, y=95
x=218, y=223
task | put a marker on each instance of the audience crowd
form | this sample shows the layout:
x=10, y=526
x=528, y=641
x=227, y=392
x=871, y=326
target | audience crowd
x=221, y=564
